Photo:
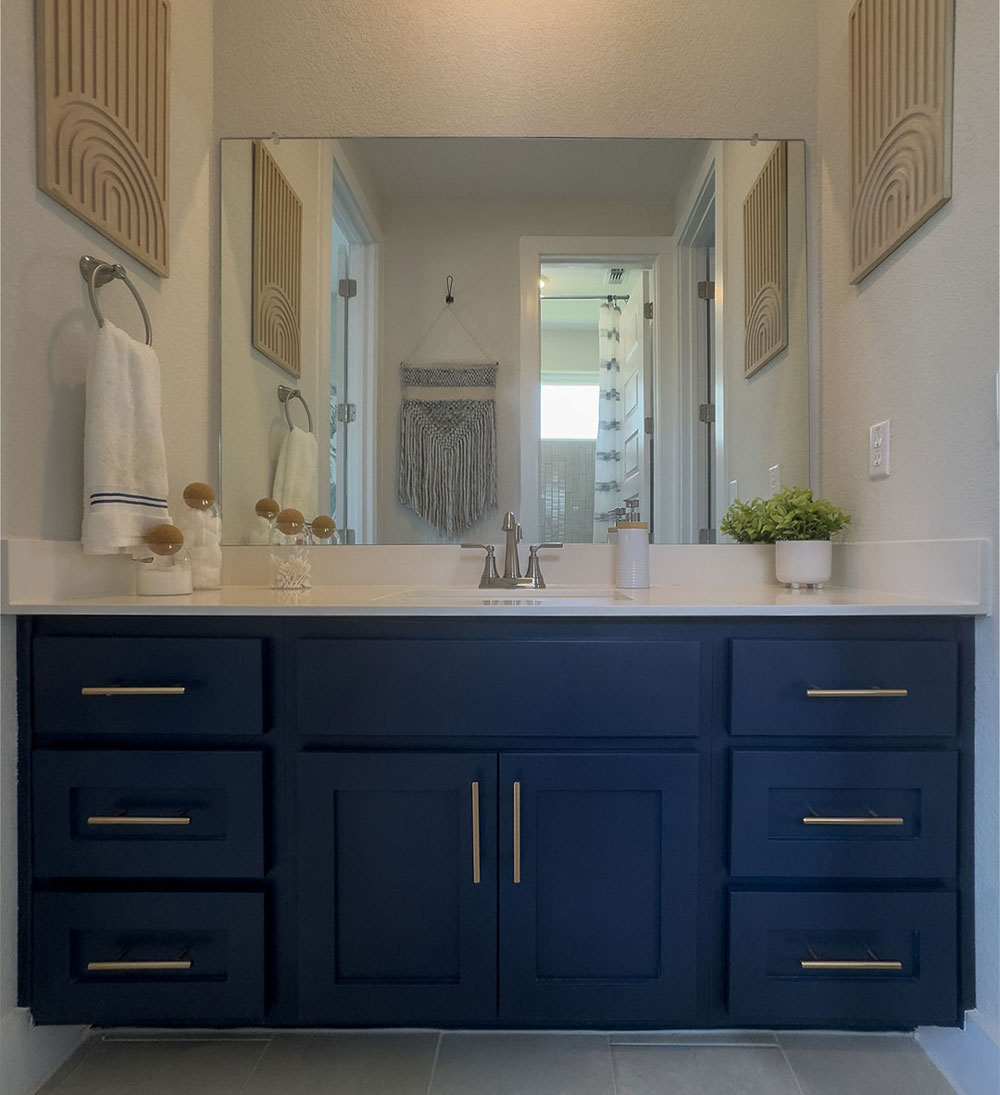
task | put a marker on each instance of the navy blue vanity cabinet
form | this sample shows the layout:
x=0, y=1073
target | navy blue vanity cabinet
x=149, y=787
x=598, y=888
x=396, y=859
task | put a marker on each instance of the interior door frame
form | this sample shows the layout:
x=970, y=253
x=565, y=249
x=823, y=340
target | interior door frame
x=708, y=202
x=658, y=252
x=350, y=205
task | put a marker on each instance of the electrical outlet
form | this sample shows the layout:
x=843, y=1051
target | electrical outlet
x=774, y=478
x=734, y=490
x=878, y=450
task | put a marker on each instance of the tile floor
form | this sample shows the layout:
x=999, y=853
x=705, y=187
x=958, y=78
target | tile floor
x=460, y=1063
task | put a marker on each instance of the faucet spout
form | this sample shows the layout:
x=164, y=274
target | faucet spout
x=511, y=562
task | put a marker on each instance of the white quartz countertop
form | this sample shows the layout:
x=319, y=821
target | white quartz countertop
x=944, y=577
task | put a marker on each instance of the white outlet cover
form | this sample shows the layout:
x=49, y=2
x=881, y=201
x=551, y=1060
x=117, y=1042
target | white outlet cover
x=878, y=450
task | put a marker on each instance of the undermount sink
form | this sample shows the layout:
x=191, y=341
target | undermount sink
x=552, y=595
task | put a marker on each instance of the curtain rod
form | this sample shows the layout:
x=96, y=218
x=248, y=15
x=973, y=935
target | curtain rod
x=607, y=296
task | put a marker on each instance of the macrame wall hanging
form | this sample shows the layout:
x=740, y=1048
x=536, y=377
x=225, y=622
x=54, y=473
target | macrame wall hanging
x=448, y=441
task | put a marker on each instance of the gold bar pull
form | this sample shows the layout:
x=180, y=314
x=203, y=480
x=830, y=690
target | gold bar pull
x=517, y=832
x=852, y=821
x=475, y=833
x=856, y=693
x=136, y=690
x=137, y=967
x=124, y=819
x=811, y=964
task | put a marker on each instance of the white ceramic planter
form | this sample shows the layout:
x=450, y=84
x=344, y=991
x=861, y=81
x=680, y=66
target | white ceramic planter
x=803, y=562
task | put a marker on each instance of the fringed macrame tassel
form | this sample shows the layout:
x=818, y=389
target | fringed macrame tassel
x=448, y=460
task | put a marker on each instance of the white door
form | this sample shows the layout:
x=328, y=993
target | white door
x=636, y=372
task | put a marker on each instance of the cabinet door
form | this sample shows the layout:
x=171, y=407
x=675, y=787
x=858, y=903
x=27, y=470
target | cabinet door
x=598, y=888
x=393, y=925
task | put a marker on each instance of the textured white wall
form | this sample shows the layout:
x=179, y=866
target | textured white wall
x=917, y=342
x=521, y=68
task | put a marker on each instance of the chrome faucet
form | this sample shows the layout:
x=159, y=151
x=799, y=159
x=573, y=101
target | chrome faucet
x=511, y=578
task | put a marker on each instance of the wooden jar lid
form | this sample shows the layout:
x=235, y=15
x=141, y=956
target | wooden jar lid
x=633, y=524
x=323, y=527
x=164, y=539
x=268, y=508
x=290, y=521
x=198, y=495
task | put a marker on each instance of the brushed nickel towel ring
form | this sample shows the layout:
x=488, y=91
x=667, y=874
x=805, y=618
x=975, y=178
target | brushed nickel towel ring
x=285, y=395
x=97, y=272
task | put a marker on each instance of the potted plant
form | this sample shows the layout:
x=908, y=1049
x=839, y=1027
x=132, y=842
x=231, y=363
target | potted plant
x=799, y=526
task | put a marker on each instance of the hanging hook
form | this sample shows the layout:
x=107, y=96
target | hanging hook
x=449, y=281
x=754, y=139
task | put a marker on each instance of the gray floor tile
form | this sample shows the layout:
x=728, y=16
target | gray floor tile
x=694, y=1038
x=702, y=1070
x=523, y=1064
x=345, y=1064
x=843, y=1064
x=174, y=1067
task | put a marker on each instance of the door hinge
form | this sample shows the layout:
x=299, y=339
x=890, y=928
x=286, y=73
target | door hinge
x=706, y=412
x=647, y=309
x=647, y=425
x=706, y=290
x=347, y=288
x=347, y=412
x=706, y=536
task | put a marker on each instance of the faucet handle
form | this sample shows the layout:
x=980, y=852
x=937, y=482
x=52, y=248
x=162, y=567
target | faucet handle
x=534, y=570
x=490, y=567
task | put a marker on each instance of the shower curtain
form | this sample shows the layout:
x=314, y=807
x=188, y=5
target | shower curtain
x=608, y=458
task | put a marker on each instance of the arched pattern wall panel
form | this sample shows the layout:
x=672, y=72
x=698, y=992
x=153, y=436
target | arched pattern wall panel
x=277, y=264
x=901, y=78
x=103, y=118
x=765, y=259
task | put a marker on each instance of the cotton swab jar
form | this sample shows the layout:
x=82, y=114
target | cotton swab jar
x=290, y=565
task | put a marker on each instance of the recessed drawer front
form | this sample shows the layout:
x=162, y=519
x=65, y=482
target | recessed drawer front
x=844, y=688
x=155, y=686
x=844, y=815
x=142, y=815
x=174, y=959
x=579, y=689
x=842, y=959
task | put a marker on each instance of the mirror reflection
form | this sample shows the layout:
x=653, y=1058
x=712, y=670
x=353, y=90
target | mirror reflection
x=626, y=324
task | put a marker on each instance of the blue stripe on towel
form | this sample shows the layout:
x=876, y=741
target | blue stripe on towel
x=126, y=502
x=123, y=496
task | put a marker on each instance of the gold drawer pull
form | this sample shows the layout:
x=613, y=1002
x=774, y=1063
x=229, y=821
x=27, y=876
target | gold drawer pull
x=811, y=964
x=122, y=819
x=137, y=967
x=135, y=690
x=517, y=833
x=852, y=821
x=475, y=833
x=856, y=693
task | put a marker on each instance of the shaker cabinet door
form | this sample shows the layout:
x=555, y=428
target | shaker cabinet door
x=598, y=888
x=396, y=888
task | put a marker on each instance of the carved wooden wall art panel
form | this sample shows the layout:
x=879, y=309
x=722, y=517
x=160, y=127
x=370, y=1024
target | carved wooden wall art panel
x=102, y=70
x=765, y=263
x=277, y=263
x=901, y=78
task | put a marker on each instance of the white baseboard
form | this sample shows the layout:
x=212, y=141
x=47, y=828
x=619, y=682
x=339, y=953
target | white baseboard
x=968, y=1058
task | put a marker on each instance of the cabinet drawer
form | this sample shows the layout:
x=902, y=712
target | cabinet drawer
x=142, y=958
x=456, y=688
x=147, y=686
x=842, y=959
x=844, y=687
x=142, y=814
x=846, y=815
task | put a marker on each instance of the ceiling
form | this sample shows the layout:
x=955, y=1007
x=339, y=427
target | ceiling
x=571, y=279
x=526, y=168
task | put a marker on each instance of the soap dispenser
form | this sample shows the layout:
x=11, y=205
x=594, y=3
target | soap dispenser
x=632, y=550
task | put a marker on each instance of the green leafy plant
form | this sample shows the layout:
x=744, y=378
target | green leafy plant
x=791, y=514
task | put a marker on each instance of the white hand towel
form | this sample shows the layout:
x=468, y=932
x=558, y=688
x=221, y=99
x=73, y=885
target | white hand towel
x=124, y=460
x=296, y=476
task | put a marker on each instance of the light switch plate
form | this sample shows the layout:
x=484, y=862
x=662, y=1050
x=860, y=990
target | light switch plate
x=878, y=450
x=774, y=478
x=734, y=490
